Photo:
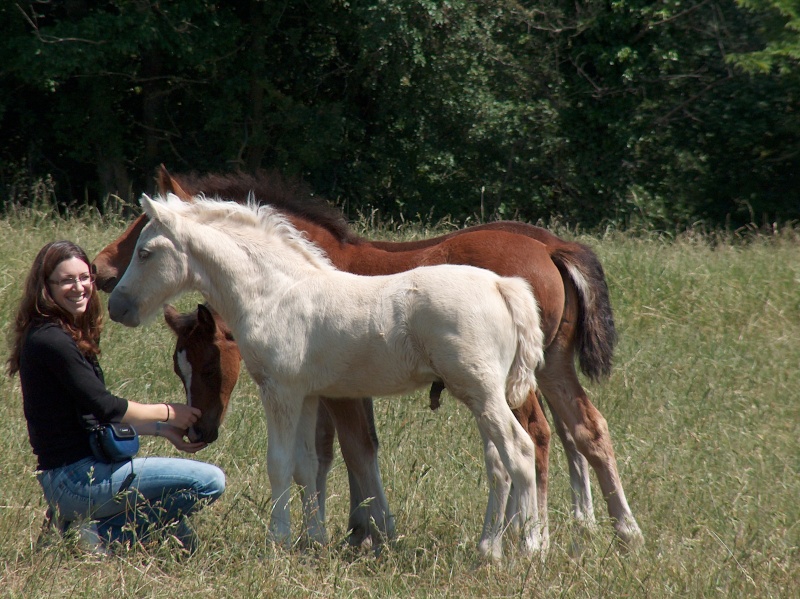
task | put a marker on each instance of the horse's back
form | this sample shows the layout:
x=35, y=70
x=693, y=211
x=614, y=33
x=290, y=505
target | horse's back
x=465, y=319
x=444, y=289
x=427, y=303
x=508, y=249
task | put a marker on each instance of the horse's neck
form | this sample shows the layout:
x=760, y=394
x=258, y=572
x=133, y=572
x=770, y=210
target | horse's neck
x=127, y=241
x=366, y=259
x=361, y=257
x=225, y=276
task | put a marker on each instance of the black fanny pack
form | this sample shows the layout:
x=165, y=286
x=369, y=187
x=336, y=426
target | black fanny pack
x=114, y=442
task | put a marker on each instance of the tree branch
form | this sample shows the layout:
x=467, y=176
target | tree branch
x=49, y=39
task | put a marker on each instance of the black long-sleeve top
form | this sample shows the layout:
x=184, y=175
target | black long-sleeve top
x=63, y=391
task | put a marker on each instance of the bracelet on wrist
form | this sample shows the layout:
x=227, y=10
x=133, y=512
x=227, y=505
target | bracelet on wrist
x=167, y=418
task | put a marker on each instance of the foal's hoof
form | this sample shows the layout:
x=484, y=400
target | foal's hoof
x=489, y=553
x=629, y=535
x=487, y=561
x=534, y=539
x=369, y=535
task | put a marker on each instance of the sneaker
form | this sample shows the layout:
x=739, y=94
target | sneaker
x=88, y=539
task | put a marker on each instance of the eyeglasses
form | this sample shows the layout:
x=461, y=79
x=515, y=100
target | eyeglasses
x=85, y=280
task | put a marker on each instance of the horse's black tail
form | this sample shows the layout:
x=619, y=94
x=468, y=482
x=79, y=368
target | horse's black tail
x=596, y=333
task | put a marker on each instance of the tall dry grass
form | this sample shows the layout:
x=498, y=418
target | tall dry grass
x=702, y=406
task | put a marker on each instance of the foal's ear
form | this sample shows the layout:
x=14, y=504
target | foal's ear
x=159, y=211
x=172, y=317
x=205, y=318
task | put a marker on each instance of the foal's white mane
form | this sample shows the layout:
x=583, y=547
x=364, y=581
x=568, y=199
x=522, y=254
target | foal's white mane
x=249, y=224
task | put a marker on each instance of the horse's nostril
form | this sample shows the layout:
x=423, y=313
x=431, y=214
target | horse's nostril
x=108, y=284
x=194, y=435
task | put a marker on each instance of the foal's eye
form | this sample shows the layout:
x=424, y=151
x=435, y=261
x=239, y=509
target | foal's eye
x=144, y=254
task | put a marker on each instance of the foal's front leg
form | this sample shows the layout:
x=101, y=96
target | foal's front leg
x=325, y=436
x=305, y=472
x=579, y=480
x=283, y=415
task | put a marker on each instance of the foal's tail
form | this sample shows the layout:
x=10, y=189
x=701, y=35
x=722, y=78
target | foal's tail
x=524, y=311
x=596, y=333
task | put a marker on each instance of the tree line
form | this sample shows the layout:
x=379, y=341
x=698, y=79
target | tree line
x=662, y=114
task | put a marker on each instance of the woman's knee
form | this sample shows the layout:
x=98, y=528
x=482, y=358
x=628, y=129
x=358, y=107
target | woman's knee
x=214, y=483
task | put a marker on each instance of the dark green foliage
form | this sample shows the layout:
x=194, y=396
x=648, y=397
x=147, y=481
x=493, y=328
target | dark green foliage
x=659, y=114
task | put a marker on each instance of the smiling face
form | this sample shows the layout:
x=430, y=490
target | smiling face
x=71, y=286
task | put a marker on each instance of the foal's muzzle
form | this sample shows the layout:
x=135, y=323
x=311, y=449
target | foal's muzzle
x=121, y=309
x=207, y=435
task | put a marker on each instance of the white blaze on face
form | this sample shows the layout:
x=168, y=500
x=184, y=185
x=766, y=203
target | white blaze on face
x=186, y=373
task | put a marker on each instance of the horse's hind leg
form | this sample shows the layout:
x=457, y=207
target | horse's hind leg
x=533, y=420
x=589, y=430
x=580, y=483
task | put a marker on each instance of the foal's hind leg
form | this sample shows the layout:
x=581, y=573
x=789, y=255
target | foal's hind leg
x=517, y=452
x=491, y=542
x=589, y=430
x=580, y=483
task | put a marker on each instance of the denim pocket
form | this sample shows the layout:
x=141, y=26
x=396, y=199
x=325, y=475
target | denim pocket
x=70, y=489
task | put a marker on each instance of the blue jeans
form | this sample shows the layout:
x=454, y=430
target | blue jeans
x=162, y=491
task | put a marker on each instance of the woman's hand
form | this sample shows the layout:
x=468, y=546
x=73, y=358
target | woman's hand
x=147, y=415
x=175, y=436
x=181, y=416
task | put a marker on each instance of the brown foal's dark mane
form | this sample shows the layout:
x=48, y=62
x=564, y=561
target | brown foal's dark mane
x=289, y=195
x=185, y=323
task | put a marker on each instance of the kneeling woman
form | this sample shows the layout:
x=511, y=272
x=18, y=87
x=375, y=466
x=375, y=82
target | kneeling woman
x=54, y=348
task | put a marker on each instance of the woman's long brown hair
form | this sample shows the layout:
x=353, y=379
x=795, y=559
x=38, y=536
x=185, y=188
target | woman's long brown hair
x=38, y=304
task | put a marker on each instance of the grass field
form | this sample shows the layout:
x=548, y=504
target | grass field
x=702, y=406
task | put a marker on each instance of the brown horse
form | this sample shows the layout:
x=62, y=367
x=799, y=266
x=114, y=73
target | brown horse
x=576, y=317
x=205, y=348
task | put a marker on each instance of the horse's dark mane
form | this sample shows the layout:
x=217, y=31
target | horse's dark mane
x=186, y=322
x=289, y=195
